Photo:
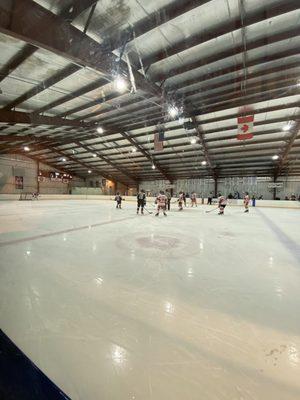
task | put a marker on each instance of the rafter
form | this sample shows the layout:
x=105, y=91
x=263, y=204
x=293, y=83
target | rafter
x=17, y=60
x=51, y=144
x=152, y=21
x=220, y=72
x=18, y=117
x=58, y=76
x=29, y=21
x=258, y=15
x=73, y=10
x=85, y=165
x=127, y=136
x=209, y=108
x=70, y=13
x=108, y=161
x=295, y=129
x=284, y=82
x=77, y=93
x=62, y=141
x=238, y=50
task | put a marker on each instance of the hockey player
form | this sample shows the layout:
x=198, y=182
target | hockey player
x=169, y=197
x=246, y=202
x=180, y=201
x=118, y=199
x=161, y=202
x=184, y=198
x=141, y=201
x=193, y=199
x=222, y=202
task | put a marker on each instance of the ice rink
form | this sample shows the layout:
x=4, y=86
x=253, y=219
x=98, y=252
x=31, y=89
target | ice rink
x=115, y=306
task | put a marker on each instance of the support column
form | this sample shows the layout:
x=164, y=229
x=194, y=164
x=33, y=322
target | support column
x=216, y=186
x=274, y=190
x=37, y=176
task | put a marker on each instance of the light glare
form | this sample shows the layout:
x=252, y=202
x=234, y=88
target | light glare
x=120, y=84
x=173, y=111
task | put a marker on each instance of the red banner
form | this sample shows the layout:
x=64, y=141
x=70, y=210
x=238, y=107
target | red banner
x=245, y=127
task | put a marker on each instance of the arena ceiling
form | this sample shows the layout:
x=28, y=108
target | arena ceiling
x=85, y=85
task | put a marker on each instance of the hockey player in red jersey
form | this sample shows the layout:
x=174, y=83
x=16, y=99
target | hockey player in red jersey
x=161, y=202
x=246, y=202
x=222, y=202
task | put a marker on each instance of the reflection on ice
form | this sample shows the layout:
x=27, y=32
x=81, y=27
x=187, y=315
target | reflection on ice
x=293, y=355
x=119, y=355
x=190, y=272
x=98, y=281
x=169, y=308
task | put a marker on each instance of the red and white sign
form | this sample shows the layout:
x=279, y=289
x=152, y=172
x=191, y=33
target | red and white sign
x=245, y=127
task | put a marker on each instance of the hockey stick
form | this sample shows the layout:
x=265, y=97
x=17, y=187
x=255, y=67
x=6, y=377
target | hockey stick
x=150, y=212
x=214, y=209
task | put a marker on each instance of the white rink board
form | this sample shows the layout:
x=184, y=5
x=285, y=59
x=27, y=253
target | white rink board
x=233, y=202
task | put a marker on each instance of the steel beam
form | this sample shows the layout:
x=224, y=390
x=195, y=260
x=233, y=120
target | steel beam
x=17, y=60
x=77, y=93
x=147, y=155
x=108, y=161
x=295, y=129
x=74, y=9
x=152, y=21
x=29, y=22
x=251, y=45
x=224, y=71
x=70, y=12
x=58, y=76
x=18, y=117
x=87, y=166
x=259, y=14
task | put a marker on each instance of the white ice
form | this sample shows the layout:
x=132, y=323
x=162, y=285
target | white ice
x=115, y=306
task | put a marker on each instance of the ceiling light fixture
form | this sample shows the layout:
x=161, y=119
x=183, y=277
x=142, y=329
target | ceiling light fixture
x=275, y=157
x=173, y=111
x=193, y=140
x=26, y=148
x=89, y=171
x=100, y=129
x=94, y=155
x=120, y=84
x=153, y=166
x=287, y=127
x=133, y=150
x=203, y=162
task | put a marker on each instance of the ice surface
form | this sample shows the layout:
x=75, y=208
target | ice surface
x=115, y=306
